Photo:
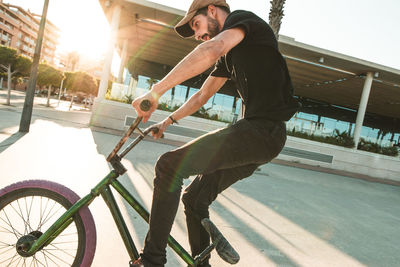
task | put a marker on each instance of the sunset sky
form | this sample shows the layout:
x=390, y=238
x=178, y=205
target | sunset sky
x=366, y=29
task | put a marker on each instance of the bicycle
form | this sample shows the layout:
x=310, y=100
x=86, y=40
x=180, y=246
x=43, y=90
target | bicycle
x=30, y=237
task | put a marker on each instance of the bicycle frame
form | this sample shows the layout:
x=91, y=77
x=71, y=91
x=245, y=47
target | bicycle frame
x=103, y=189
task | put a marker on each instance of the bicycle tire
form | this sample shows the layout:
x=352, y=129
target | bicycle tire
x=30, y=195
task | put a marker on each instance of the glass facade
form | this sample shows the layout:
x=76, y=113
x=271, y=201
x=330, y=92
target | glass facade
x=308, y=123
x=222, y=105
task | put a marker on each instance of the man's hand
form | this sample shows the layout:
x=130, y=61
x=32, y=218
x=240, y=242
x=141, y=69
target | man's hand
x=162, y=126
x=150, y=96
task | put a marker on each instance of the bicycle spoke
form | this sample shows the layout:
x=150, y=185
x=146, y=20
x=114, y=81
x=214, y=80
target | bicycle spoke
x=65, y=242
x=5, y=230
x=14, y=260
x=21, y=215
x=38, y=261
x=42, y=216
x=51, y=216
x=28, y=212
x=67, y=234
x=61, y=243
x=11, y=261
x=6, y=249
x=42, y=211
x=61, y=250
x=56, y=258
x=6, y=244
x=47, y=218
x=50, y=259
x=14, y=231
x=45, y=258
x=19, y=260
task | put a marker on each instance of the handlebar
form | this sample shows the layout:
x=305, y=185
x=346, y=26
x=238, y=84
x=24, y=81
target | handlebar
x=151, y=129
x=145, y=105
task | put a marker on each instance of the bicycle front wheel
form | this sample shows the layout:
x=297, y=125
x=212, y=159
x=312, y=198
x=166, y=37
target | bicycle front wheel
x=27, y=210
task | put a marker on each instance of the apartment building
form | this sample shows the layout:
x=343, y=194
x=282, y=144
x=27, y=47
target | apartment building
x=19, y=29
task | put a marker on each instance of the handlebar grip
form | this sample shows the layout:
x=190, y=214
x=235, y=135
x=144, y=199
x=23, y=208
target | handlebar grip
x=145, y=105
x=155, y=130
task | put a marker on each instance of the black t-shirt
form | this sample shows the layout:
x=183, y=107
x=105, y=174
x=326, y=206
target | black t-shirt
x=259, y=70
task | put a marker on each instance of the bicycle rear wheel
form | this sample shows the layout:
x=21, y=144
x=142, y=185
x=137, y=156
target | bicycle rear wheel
x=29, y=208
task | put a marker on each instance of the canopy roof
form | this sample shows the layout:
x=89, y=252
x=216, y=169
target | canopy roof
x=317, y=74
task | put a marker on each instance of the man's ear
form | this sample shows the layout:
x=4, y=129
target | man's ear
x=212, y=10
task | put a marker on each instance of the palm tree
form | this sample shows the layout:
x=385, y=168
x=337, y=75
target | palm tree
x=276, y=15
x=150, y=82
x=72, y=60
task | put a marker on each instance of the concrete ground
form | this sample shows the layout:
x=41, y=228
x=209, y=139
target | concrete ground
x=280, y=216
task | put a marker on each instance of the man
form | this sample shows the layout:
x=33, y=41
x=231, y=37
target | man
x=243, y=48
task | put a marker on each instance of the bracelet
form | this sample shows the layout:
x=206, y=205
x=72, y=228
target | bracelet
x=172, y=119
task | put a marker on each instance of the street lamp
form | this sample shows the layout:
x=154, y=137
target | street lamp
x=59, y=91
x=26, y=115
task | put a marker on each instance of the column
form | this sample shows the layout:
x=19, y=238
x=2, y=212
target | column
x=132, y=86
x=110, y=52
x=362, y=108
x=123, y=61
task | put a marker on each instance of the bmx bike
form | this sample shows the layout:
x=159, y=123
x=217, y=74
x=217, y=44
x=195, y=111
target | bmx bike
x=43, y=223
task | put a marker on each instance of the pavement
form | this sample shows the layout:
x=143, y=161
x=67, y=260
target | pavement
x=280, y=216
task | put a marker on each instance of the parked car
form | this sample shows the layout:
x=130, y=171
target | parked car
x=87, y=101
x=66, y=97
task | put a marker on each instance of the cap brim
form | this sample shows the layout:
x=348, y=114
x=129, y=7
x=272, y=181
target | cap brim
x=183, y=28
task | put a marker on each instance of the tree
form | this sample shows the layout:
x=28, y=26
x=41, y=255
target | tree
x=172, y=95
x=150, y=82
x=381, y=135
x=48, y=76
x=72, y=60
x=275, y=15
x=80, y=83
x=3, y=75
x=22, y=68
x=12, y=64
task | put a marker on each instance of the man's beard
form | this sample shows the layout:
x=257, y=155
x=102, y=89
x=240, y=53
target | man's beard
x=213, y=27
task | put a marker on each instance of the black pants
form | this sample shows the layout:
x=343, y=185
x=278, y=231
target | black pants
x=219, y=158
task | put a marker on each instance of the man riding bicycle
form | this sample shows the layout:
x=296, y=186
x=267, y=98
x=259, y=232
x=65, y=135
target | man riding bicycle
x=243, y=48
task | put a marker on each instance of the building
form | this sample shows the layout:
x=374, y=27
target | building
x=19, y=29
x=74, y=61
x=337, y=91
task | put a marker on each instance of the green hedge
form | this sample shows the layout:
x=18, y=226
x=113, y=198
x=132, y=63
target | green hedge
x=376, y=148
x=345, y=140
x=339, y=138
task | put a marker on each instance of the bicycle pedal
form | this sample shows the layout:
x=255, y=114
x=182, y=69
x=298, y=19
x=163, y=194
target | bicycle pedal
x=222, y=246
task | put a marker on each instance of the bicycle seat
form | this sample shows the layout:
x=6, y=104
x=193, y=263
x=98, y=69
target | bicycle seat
x=224, y=249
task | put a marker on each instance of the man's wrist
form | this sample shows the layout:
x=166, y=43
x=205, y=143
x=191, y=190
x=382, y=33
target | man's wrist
x=157, y=90
x=172, y=119
x=154, y=94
